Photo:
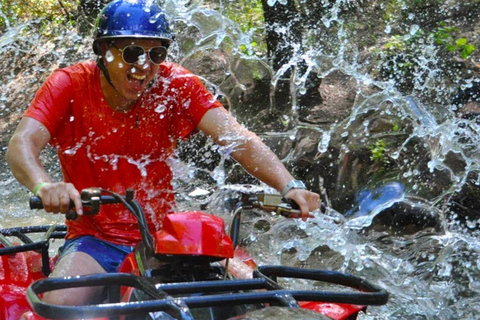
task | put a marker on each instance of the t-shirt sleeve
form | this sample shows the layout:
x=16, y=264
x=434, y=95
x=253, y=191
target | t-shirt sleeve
x=52, y=102
x=195, y=101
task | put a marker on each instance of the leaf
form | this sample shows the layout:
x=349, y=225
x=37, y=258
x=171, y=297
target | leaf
x=469, y=48
x=467, y=51
x=451, y=47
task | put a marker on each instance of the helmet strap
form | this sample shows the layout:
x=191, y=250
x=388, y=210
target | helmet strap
x=103, y=68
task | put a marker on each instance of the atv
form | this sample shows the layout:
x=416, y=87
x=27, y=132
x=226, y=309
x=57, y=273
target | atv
x=190, y=269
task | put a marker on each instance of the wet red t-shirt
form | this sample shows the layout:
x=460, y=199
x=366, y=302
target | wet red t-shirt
x=99, y=147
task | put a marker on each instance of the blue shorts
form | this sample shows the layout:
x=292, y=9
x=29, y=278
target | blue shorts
x=110, y=256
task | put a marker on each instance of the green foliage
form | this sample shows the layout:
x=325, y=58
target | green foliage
x=245, y=49
x=444, y=35
x=248, y=14
x=423, y=3
x=400, y=54
x=395, y=7
x=399, y=59
x=53, y=12
x=378, y=151
x=424, y=38
x=463, y=47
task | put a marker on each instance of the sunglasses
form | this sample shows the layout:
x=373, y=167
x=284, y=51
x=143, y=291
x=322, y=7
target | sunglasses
x=132, y=54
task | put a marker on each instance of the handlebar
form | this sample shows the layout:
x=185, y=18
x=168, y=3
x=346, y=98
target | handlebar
x=92, y=198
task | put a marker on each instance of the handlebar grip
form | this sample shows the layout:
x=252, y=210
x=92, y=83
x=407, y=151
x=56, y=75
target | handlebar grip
x=71, y=215
x=291, y=203
x=36, y=203
x=295, y=206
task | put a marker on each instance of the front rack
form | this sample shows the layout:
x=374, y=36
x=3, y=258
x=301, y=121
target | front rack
x=263, y=288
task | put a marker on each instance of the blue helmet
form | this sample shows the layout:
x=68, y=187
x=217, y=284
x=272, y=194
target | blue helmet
x=131, y=19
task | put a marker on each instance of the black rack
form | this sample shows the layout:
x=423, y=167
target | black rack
x=263, y=288
x=27, y=244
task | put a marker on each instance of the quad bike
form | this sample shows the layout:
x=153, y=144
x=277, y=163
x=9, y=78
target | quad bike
x=190, y=269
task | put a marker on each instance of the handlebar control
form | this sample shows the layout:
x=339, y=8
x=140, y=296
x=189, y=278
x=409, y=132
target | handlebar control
x=36, y=203
x=91, y=200
x=274, y=203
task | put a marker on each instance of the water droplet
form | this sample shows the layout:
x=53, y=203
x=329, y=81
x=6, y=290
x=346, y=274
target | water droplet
x=142, y=59
x=161, y=108
x=109, y=56
x=154, y=18
x=413, y=29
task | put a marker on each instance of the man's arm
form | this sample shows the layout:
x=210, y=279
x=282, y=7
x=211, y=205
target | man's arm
x=255, y=157
x=23, y=157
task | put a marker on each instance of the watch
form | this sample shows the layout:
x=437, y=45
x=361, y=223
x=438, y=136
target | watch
x=294, y=184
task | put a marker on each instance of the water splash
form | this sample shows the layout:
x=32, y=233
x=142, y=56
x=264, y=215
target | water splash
x=432, y=273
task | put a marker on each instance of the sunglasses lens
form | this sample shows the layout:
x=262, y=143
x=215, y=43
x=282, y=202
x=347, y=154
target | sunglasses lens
x=131, y=54
x=158, y=54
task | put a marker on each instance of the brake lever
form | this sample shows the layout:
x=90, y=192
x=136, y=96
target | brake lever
x=275, y=203
x=289, y=211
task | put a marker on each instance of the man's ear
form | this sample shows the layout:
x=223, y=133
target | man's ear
x=96, y=47
x=100, y=47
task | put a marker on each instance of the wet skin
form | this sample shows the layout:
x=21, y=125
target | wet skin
x=129, y=80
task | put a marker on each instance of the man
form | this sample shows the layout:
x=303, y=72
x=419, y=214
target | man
x=115, y=124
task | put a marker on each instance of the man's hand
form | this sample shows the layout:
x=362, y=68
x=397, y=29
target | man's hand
x=56, y=197
x=306, y=200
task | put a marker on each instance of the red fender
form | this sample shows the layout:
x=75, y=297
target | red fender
x=17, y=272
x=129, y=265
x=336, y=311
x=32, y=316
x=193, y=233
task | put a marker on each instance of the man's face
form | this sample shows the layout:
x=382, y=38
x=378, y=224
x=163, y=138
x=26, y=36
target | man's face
x=131, y=77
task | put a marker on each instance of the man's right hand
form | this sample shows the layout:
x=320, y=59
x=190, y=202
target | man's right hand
x=56, y=197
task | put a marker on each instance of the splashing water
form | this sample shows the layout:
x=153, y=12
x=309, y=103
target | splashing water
x=385, y=115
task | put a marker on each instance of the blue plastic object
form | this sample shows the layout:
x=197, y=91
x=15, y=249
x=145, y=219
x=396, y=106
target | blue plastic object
x=368, y=200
